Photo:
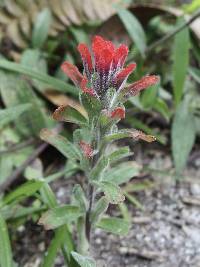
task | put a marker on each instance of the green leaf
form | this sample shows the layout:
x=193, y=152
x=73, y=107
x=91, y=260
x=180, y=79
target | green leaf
x=112, y=192
x=49, y=199
x=125, y=212
x=183, y=136
x=161, y=106
x=6, y=166
x=59, y=216
x=14, y=212
x=33, y=58
x=134, y=28
x=91, y=104
x=50, y=81
x=134, y=201
x=114, y=225
x=181, y=61
x=195, y=73
x=99, y=209
x=191, y=6
x=116, y=136
x=69, y=114
x=65, y=147
x=15, y=91
x=80, y=198
x=83, y=261
x=23, y=191
x=5, y=247
x=99, y=169
x=10, y=114
x=119, y=154
x=54, y=247
x=122, y=173
x=41, y=28
x=149, y=96
x=82, y=134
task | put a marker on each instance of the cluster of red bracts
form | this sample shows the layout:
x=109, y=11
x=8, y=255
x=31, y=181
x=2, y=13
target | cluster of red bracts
x=104, y=69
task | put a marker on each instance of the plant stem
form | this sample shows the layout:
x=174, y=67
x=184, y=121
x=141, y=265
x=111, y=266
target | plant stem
x=88, y=213
x=91, y=198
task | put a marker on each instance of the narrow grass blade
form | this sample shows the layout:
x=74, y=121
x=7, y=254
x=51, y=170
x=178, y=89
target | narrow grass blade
x=50, y=81
x=5, y=247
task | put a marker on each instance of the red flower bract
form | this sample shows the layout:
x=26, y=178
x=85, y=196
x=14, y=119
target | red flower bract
x=118, y=113
x=104, y=69
x=136, y=87
x=86, y=149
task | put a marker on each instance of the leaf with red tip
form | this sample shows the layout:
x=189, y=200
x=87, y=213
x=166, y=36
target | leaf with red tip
x=87, y=149
x=72, y=72
x=136, y=134
x=69, y=114
x=85, y=54
x=118, y=113
x=136, y=87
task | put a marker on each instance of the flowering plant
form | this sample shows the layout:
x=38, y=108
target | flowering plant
x=103, y=92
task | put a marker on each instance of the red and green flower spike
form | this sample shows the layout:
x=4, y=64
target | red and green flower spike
x=104, y=69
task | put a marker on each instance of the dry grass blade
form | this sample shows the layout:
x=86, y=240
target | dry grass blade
x=59, y=99
x=18, y=18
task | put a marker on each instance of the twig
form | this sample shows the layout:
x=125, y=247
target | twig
x=171, y=34
x=144, y=253
x=19, y=170
x=19, y=146
x=191, y=200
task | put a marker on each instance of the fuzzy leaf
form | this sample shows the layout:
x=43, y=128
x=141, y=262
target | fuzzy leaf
x=99, y=169
x=119, y=154
x=91, y=104
x=131, y=133
x=112, y=192
x=99, y=209
x=59, y=216
x=83, y=261
x=67, y=148
x=69, y=114
x=79, y=196
x=114, y=225
x=122, y=173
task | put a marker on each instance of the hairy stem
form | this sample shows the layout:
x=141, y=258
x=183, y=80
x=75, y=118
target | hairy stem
x=88, y=213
